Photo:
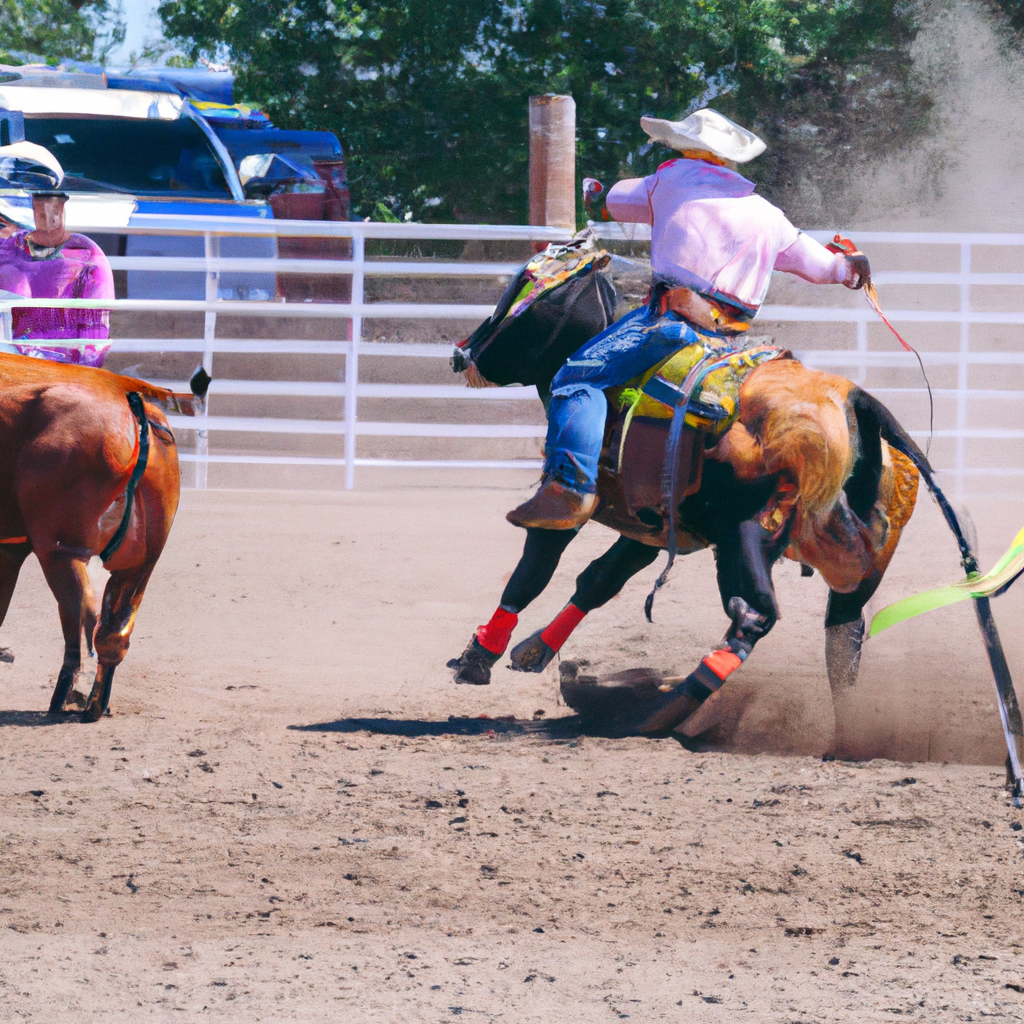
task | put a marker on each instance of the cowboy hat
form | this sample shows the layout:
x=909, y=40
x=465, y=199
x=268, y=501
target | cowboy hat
x=707, y=130
x=28, y=166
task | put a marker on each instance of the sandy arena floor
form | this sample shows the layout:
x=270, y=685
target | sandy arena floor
x=294, y=815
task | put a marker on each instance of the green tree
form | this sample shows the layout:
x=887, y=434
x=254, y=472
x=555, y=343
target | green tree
x=430, y=96
x=58, y=29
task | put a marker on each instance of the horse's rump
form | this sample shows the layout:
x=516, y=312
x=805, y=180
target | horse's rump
x=795, y=438
x=24, y=370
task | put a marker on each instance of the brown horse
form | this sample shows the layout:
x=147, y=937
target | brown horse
x=88, y=466
x=810, y=467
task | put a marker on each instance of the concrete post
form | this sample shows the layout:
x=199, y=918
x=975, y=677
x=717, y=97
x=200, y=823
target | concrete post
x=553, y=161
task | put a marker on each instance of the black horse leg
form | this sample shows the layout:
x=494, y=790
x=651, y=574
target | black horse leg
x=745, y=556
x=844, y=633
x=541, y=555
x=595, y=586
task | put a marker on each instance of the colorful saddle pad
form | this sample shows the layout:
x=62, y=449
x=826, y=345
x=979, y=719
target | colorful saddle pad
x=703, y=382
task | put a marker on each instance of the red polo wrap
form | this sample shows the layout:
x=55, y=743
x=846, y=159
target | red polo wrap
x=723, y=662
x=563, y=624
x=497, y=633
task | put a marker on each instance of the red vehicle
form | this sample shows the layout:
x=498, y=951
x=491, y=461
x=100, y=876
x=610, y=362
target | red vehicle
x=311, y=184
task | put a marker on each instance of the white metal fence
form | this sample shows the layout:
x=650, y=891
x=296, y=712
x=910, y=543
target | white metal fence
x=967, y=320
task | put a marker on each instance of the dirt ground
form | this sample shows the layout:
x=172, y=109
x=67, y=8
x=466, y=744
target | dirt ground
x=293, y=814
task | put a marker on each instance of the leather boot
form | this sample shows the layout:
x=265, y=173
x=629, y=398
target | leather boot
x=554, y=507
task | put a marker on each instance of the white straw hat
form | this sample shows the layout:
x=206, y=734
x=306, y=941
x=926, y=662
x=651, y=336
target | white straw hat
x=26, y=165
x=708, y=130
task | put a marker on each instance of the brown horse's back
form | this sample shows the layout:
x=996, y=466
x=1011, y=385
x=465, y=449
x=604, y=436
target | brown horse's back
x=24, y=370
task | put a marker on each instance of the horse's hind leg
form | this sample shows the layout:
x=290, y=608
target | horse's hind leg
x=121, y=600
x=745, y=557
x=844, y=633
x=541, y=555
x=595, y=586
x=90, y=615
x=66, y=572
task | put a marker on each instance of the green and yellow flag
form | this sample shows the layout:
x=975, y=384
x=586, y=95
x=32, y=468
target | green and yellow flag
x=1005, y=571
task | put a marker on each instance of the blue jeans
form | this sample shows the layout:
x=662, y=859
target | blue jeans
x=576, y=416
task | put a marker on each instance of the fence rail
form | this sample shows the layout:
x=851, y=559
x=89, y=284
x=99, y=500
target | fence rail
x=857, y=361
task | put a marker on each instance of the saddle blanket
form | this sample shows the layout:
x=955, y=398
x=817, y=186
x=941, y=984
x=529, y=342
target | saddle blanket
x=702, y=381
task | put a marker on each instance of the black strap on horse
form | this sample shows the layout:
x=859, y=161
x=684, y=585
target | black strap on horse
x=139, y=411
x=681, y=404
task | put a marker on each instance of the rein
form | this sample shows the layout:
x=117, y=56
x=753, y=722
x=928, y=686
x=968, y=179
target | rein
x=847, y=248
x=139, y=411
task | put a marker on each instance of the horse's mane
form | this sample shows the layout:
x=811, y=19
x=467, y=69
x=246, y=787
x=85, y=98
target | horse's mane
x=798, y=418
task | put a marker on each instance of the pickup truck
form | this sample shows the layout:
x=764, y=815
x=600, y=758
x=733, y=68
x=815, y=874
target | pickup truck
x=133, y=146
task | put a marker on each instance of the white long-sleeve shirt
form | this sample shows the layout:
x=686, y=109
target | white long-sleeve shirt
x=711, y=234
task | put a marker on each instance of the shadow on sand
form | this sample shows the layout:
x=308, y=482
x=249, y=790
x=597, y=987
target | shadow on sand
x=569, y=727
x=35, y=719
x=565, y=729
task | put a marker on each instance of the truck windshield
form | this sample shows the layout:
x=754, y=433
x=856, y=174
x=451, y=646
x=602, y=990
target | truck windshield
x=118, y=154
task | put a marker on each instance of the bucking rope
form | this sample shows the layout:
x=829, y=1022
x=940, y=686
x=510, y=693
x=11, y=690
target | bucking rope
x=847, y=248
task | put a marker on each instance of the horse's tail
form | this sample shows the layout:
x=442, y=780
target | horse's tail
x=1009, y=709
x=893, y=434
x=812, y=441
x=174, y=401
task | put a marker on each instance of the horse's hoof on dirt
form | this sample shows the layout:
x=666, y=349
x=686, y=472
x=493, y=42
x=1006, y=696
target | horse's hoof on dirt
x=531, y=655
x=474, y=665
x=842, y=653
x=6, y=655
x=93, y=712
x=630, y=706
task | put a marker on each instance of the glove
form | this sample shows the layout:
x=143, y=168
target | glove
x=859, y=262
x=594, y=196
x=854, y=257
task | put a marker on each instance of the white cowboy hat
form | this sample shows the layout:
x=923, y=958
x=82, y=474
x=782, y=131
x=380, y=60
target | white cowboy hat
x=26, y=165
x=708, y=130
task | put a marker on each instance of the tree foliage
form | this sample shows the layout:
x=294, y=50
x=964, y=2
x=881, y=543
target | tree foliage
x=430, y=96
x=58, y=29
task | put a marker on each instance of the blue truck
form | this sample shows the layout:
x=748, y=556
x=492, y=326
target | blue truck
x=170, y=141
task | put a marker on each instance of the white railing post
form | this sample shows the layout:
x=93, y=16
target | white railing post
x=963, y=369
x=352, y=358
x=212, y=251
x=862, y=352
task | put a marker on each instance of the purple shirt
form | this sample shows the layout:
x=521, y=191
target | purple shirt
x=710, y=233
x=76, y=270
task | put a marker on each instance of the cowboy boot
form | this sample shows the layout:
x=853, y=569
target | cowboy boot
x=554, y=507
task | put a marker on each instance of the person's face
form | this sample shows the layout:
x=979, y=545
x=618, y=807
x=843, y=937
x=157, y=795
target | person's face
x=49, y=213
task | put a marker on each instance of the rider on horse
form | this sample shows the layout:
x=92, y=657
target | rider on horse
x=714, y=245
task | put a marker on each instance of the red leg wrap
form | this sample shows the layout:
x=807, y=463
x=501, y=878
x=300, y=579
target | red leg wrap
x=497, y=633
x=723, y=662
x=563, y=624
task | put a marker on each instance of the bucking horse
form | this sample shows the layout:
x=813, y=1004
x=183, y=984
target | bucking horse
x=743, y=449
x=88, y=466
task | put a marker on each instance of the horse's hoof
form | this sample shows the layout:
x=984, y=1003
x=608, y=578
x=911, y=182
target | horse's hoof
x=842, y=653
x=6, y=655
x=93, y=712
x=473, y=666
x=627, y=704
x=531, y=655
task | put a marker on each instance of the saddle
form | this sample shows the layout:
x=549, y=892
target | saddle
x=654, y=446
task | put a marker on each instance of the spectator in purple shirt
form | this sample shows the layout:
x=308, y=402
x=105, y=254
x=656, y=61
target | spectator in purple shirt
x=53, y=263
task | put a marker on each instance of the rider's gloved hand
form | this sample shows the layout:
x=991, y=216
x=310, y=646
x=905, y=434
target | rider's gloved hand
x=860, y=267
x=856, y=262
x=594, y=196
